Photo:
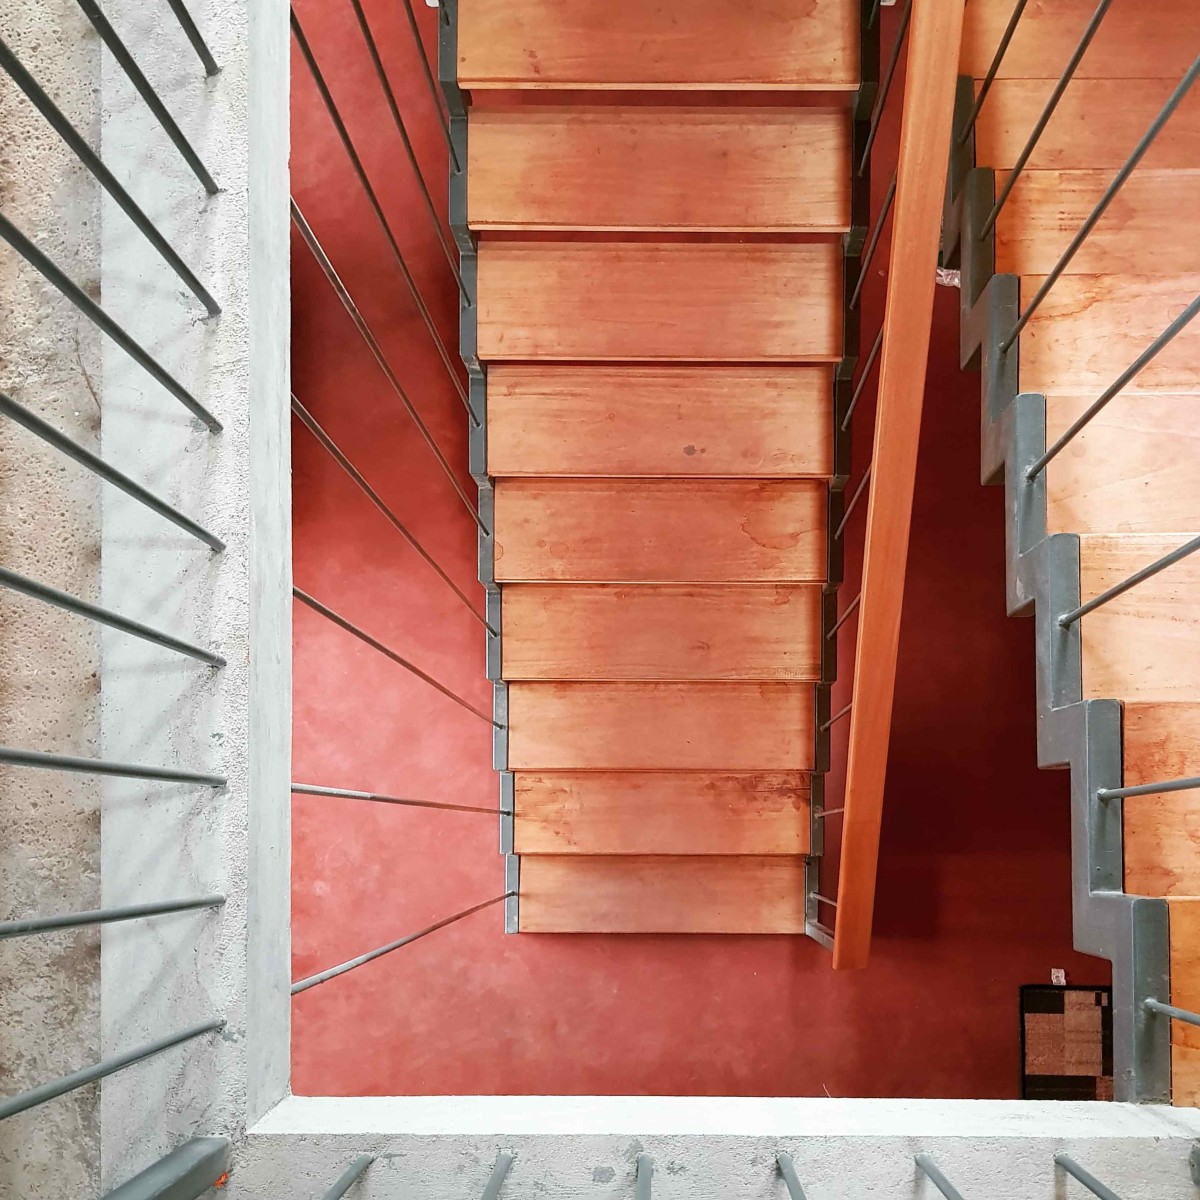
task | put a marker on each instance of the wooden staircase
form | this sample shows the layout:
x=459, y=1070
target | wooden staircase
x=1128, y=485
x=659, y=193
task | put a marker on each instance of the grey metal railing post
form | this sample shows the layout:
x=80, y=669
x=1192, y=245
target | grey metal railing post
x=644, y=1177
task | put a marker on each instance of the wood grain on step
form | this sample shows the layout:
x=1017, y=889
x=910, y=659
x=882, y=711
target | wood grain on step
x=1162, y=833
x=1184, y=916
x=658, y=169
x=662, y=631
x=661, y=812
x=677, y=420
x=661, y=726
x=659, y=531
x=662, y=894
x=700, y=301
x=789, y=45
x=1144, y=645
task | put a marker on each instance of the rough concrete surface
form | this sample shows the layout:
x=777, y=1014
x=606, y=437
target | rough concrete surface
x=49, y=690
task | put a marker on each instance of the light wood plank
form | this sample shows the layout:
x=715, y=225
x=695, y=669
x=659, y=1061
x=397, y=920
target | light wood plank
x=1184, y=918
x=1075, y=137
x=1162, y=833
x=1145, y=644
x=1148, y=228
x=1131, y=470
x=1091, y=327
x=789, y=45
x=661, y=812
x=1136, y=41
x=657, y=631
x=654, y=169
x=704, y=302
x=662, y=894
x=907, y=320
x=659, y=531
x=660, y=726
x=678, y=420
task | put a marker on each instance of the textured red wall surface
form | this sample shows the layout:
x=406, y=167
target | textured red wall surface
x=974, y=895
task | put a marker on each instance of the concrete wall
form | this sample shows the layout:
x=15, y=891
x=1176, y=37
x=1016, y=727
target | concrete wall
x=49, y=691
x=169, y=840
x=584, y=1148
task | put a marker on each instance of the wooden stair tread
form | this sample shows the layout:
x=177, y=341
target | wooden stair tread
x=1148, y=228
x=659, y=531
x=661, y=894
x=625, y=167
x=1091, y=327
x=1131, y=470
x=1162, y=833
x=660, y=726
x=661, y=631
x=1184, y=918
x=1143, y=645
x=1073, y=137
x=706, y=302
x=1135, y=41
x=761, y=44
x=661, y=812
x=670, y=421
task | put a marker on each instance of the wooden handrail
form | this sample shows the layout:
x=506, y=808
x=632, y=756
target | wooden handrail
x=935, y=36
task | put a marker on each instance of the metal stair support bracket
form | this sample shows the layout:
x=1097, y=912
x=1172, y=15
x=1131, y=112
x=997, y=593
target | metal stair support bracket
x=1042, y=576
x=187, y=1173
x=477, y=439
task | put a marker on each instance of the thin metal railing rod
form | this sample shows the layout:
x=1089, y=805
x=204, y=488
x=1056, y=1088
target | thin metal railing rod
x=1110, y=194
x=109, y=1066
x=388, y=652
x=500, y=1170
x=1169, y=1010
x=323, y=261
x=644, y=1178
x=1134, y=369
x=107, y=180
x=15, y=757
x=188, y=1172
x=54, y=274
x=350, y=1176
x=837, y=716
x=193, y=35
x=858, y=493
x=311, y=424
x=435, y=94
x=868, y=366
x=1167, y=560
x=935, y=1176
x=24, y=926
x=1039, y=128
x=1150, y=789
x=873, y=244
x=787, y=1169
x=850, y=610
x=311, y=789
x=409, y=150
x=828, y=812
x=119, y=51
x=43, y=429
x=885, y=86
x=993, y=70
x=104, y=616
x=823, y=899
x=368, y=188
x=303, y=985
x=1088, y=1180
x=876, y=9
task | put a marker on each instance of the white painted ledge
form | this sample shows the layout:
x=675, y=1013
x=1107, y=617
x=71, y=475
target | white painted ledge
x=646, y=1116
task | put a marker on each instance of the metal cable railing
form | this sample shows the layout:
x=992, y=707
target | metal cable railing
x=935, y=1175
x=198, y=1163
x=1079, y=239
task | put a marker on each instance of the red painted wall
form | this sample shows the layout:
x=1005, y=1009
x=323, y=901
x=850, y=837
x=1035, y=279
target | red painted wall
x=974, y=884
